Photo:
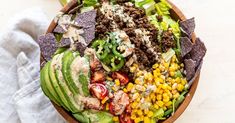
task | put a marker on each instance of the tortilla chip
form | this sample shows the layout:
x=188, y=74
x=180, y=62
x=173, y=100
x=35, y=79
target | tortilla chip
x=59, y=29
x=186, y=45
x=190, y=66
x=187, y=27
x=64, y=42
x=87, y=21
x=198, y=51
x=47, y=45
x=198, y=69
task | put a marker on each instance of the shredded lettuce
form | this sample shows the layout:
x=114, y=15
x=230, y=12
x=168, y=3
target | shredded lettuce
x=88, y=3
x=163, y=7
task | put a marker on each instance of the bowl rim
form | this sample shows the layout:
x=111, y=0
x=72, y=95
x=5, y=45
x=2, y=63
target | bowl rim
x=177, y=14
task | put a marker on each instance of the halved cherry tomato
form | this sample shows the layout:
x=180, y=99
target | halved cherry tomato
x=123, y=78
x=111, y=108
x=124, y=118
x=98, y=90
x=98, y=76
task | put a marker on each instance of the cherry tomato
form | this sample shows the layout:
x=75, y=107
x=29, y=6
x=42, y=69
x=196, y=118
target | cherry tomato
x=111, y=108
x=124, y=118
x=123, y=78
x=98, y=90
x=98, y=76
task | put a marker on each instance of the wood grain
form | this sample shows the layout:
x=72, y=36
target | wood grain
x=175, y=14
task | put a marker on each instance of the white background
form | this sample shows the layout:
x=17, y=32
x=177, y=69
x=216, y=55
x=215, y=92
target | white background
x=214, y=100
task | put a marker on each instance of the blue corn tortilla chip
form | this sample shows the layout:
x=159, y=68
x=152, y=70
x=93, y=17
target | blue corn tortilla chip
x=198, y=51
x=198, y=69
x=187, y=27
x=87, y=21
x=190, y=66
x=59, y=29
x=186, y=45
x=47, y=45
x=64, y=42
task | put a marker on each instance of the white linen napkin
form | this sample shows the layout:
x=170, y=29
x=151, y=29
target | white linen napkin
x=21, y=98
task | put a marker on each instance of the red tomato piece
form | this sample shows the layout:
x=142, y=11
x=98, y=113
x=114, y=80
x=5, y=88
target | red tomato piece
x=98, y=90
x=123, y=78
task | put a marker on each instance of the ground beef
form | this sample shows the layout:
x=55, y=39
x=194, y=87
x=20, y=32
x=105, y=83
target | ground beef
x=102, y=23
x=167, y=40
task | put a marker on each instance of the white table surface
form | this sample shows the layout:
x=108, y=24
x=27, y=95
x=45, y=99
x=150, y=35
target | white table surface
x=214, y=100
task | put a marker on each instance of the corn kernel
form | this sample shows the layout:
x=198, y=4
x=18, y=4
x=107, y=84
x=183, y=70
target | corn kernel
x=174, y=91
x=176, y=95
x=125, y=90
x=166, y=99
x=137, y=81
x=155, y=66
x=109, y=78
x=164, y=108
x=150, y=114
x=161, y=67
x=117, y=82
x=164, y=86
x=134, y=104
x=172, y=74
x=133, y=116
x=104, y=100
x=137, y=120
x=180, y=87
x=146, y=111
x=135, y=65
x=152, y=96
x=156, y=106
x=159, y=97
x=168, y=103
x=183, y=81
x=138, y=99
x=132, y=69
x=165, y=95
x=160, y=103
x=139, y=73
x=114, y=88
x=160, y=91
x=139, y=112
x=115, y=119
x=135, y=96
x=107, y=106
x=129, y=86
x=147, y=120
x=177, y=80
x=141, y=118
x=166, y=65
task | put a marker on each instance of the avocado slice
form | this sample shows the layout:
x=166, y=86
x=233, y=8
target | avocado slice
x=73, y=100
x=80, y=74
x=55, y=83
x=94, y=116
x=67, y=59
x=46, y=86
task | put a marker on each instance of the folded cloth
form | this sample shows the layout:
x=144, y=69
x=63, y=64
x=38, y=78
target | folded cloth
x=21, y=98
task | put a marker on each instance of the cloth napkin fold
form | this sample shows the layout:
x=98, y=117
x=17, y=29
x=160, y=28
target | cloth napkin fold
x=21, y=98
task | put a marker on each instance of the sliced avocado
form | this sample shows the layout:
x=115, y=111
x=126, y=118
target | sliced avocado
x=94, y=116
x=80, y=65
x=55, y=83
x=60, y=50
x=84, y=81
x=81, y=118
x=66, y=63
x=46, y=85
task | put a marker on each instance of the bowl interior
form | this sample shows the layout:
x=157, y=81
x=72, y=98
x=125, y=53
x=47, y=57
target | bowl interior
x=175, y=14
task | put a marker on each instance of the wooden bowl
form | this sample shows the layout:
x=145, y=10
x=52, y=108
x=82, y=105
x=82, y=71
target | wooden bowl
x=175, y=14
